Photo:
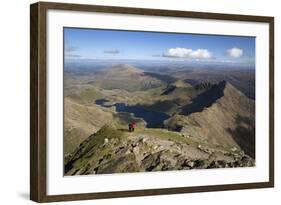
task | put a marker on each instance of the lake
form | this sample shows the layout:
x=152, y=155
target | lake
x=153, y=119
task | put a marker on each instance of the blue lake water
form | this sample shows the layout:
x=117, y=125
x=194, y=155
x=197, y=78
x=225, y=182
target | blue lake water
x=152, y=118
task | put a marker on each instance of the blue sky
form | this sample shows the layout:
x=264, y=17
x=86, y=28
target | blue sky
x=110, y=44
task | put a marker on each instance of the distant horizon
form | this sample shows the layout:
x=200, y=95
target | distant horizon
x=151, y=62
x=115, y=45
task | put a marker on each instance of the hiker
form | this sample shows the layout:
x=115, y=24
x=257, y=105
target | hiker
x=133, y=125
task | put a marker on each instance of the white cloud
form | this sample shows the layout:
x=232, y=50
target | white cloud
x=188, y=53
x=234, y=52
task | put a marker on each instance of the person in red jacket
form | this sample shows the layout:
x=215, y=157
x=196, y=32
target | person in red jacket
x=132, y=127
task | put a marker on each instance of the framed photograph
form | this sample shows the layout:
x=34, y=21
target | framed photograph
x=135, y=102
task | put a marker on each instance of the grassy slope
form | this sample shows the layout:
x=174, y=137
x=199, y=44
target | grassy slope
x=80, y=121
x=114, y=150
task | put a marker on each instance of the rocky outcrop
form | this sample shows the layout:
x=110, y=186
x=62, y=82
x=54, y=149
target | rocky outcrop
x=113, y=151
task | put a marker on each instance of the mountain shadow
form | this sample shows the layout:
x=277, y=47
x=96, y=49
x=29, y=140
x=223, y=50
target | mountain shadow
x=164, y=106
x=191, y=81
x=169, y=90
x=205, y=99
x=203, y=86
x=164, y=78
x=244, y=134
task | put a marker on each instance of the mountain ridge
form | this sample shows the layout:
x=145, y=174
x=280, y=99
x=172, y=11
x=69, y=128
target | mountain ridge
x=209, y=125
x=213, y=122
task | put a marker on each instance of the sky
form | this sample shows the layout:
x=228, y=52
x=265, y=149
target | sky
x=137, y=45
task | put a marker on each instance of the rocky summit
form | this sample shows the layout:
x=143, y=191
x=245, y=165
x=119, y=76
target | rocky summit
x=115, y=151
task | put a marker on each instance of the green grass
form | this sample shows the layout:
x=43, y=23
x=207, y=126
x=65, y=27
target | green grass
x=90, y=94
x=167, y=135
x=105, y=132
x=70, y=145
x=86, y=95
x=90, y=146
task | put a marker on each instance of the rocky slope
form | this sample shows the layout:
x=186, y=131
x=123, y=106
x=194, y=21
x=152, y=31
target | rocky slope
x=220, y=116
x=113, y=150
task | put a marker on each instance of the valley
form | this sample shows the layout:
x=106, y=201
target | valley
x=185, y=119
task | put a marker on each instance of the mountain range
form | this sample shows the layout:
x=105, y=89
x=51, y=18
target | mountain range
x=181, y=124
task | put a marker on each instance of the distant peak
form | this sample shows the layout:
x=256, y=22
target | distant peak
x=124, y=68
x=205, y=99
